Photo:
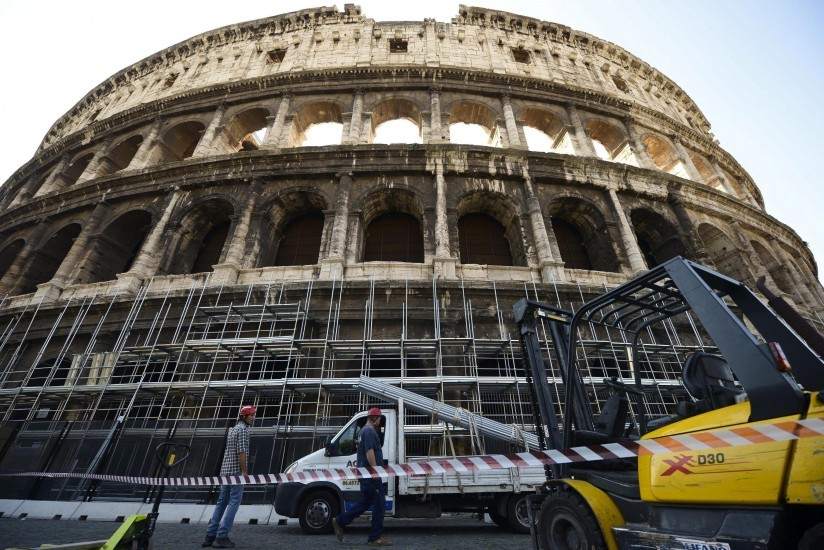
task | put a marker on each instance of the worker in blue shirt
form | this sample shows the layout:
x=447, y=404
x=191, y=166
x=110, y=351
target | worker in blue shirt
x=372, y=490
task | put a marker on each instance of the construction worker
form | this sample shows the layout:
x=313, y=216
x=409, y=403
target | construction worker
x=235, y=462
x=372, y=490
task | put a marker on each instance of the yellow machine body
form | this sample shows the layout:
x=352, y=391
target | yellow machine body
x=602, y=506
x=773, y=472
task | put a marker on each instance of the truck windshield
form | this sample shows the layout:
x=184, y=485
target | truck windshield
x=347, y=441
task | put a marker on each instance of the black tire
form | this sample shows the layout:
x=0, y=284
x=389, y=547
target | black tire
x=566, y=523
x=813, y=538
x=499, y=520
x=517, y=514
x=316, y=512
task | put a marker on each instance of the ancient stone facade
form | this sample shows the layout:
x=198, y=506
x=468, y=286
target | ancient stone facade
x=190, y=170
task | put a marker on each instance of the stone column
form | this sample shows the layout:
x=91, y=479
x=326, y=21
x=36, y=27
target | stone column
x=444, y=263
x=637, y=146
x=354, y=135
x=689, y=231
x=72, y=262
x=551, y=268
x=147, y=261
x=580, y=139
x=686, y=160
x=54, y=181
x=11, y=279
x=719, y=177
x=144, y=153
x=512, y=133
x=435, y=128
x=99, y=159
x=276, y=124
x=214, y=132
x=227, y=271
x=631, y=248
x=332, y=266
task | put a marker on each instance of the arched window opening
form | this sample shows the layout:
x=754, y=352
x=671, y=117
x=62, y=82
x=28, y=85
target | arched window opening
x=76, y=169
x=317, y=124
x=483, y=240
x=201, y=237
x=117, y=248
x=703, y=166
x=9, y=254
x=181, y=141
x=396, y=121
x=120, y=157
x=247, y=130
x=393, y=237
x=777, y=271
x=545, y=132
x=473, y=124
x=664, y=157
x=46, y=261
x=610, y=142
x=723, y=253
x=582, y=235
x=300, y=242
x=657, y=238
x=58, y=370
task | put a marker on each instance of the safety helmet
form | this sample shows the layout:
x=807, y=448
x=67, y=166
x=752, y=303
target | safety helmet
x=374, y=411
x=248, y=410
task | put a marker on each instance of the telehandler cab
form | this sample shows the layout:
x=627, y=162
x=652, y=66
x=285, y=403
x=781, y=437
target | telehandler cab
x=757, y=496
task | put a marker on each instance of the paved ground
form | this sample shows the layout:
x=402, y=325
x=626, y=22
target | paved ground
x=458, y=533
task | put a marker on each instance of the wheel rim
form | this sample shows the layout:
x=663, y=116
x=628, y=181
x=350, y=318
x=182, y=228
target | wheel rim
x=522, y=512
x=565, y=533
x=318, y=513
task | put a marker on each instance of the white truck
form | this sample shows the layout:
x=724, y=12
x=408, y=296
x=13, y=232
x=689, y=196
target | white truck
x=500, y=493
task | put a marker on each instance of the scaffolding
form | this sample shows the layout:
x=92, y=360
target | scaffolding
x=95, y=384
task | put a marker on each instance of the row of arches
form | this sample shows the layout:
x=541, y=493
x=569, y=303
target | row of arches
x=320, y=122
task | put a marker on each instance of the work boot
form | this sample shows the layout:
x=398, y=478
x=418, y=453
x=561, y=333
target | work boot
x=208, y=542
x=338, y=529
x=223, y=543
x=380, y=541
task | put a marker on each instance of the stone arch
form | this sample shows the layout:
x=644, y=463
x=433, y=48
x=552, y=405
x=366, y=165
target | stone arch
x=400, y=112
x=116, y=247
x=292, y=229
x=9, y=253
x=46, y=261
x=663, y=155
x=120, y=156
x=704, y=167
x=498, y=210
x=548, y=124
x=180, y=141
x=722, y=251
x=312, y=114
x=246, y=130
x=773, y=267
x=393, y=229
x=582, y=235
x=75, y=169
x=473, y=123
x=657, y=238
x=201, y=236
x=610, y=141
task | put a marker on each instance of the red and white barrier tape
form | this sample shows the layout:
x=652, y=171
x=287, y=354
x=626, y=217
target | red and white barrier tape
x=715, y=439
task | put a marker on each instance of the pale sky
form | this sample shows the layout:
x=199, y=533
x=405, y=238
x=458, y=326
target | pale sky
x=753, y=67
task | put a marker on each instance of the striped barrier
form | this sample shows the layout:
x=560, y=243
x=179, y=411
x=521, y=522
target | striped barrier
x=715, y=439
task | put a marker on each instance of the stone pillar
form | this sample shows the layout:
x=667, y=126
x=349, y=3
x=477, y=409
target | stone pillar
x=551, y=268
x=719, y=178
x=99, y=159
x=332, y=266
x=689, y=231
x=580, y=139
x=214, y=132
x=354, y=135
x=144, y=153
x=11, y=279
x=637, y=146
x=512, y=133
x=276, y=124
x=686, y=160
x=227, y=271
x=72, y=262
x=55, y=179
x=444, y=263
x=147, y=261
x=631, y=248
x=435, y=128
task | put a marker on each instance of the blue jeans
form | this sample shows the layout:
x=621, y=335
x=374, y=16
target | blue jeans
x=225, y=510
x=372, y=495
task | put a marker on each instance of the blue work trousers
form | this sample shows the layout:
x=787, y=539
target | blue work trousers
x=373, y=496
x=224, y=515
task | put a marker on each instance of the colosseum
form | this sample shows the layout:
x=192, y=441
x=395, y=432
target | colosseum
x=266, y=211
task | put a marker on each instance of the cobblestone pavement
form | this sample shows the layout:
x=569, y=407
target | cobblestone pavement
x=459, y=533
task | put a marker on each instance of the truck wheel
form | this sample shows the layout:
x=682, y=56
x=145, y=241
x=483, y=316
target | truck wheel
x=517, y=514
x=813, y=538
x=316, y=512
x=567, y=523
x=499, y=520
